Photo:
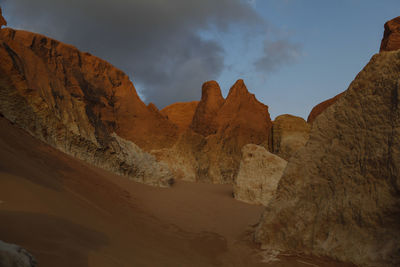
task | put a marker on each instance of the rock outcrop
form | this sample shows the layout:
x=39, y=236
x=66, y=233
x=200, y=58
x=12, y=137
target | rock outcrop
x=391, y=36
x=3, y=22
x=318, y=109
x=289, y=134
x=210, y=149
x=259, y=174
x=15, y=256
x=340, y=195
x=241, y=120
x=181, y=114
x=211, y=102
x=75, y=102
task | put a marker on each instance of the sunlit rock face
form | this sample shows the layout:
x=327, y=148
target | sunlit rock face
x=318, y=109
x=289, y=134
x=204, y=119
x=340, y=195
x=210, y=148
x=259, y=174
x=181, y=114
x=3, y=22
x=15, y=256
x=391, y=36
x=75, y=102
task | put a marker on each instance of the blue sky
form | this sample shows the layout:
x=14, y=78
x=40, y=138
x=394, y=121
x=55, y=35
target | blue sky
x=292, y=54
x=337, y=38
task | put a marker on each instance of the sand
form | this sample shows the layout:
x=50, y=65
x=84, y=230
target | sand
x=68, y=213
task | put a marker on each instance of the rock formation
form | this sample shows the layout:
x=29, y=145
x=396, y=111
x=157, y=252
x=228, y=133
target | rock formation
x=210, y=149
x=318, y=109
x=259, y=174
x=340, y=195
x=15, y=256
x=181, y=114
x=75, y=102
x=391, y=36
x=240, y=120
x=289, y=133
x=182, y=158
x=3, y=22
x=211, y=102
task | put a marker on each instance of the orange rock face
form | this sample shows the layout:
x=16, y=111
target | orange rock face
x=181, y=114
x=391, y=36
x=204, y=121
x=75, y=85
x=3, y=22
x=243, y=119
x=318, y=109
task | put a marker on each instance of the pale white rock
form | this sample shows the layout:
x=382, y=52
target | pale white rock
x=14, y=256
x=259, y=174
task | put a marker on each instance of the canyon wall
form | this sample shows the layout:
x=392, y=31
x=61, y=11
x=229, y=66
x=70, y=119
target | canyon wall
x=340, y=195
x=76, y=102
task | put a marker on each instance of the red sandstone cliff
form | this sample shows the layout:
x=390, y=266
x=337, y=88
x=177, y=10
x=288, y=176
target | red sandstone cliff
x=77, y=102
x=3, y=22
x=181, y=114
x=391, y=36
x=71, y=84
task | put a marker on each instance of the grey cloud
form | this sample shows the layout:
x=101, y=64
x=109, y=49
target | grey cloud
x=156, y=42
x=276, y=54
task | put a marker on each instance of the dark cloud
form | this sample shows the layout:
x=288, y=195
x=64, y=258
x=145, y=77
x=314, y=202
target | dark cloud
x=156, y=42
x=276, y=54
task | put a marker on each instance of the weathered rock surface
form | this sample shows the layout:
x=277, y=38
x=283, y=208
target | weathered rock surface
x=318, y=109
x=340, y=195
x=3, y=22
x=211, y=102
x=210, y=149
x=259, y=174
x=391, y=36
x=75, y=101
x=181, y=114
x=241, y=120
x=289, y=134
x=182, y=158
x=15, y=256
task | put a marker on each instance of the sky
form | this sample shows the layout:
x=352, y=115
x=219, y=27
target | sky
x=292, y=54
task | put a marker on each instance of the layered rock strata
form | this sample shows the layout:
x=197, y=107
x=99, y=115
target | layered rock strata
x=391, y=35
x=75, y=102
x=289, y=134
x=340, y=195
x=259, y=174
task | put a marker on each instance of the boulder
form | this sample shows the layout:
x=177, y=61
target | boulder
x=14, y=256
x=259, y=174
x=340, y=195
x=391, y=36
x=289, y=134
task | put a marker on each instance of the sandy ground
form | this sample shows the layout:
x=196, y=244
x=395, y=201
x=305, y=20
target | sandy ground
x=68, y=213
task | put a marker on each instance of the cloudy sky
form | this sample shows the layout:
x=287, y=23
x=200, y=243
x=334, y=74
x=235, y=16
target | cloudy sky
x=292, y=54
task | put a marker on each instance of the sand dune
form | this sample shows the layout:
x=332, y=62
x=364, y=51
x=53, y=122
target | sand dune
x=67, y=213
